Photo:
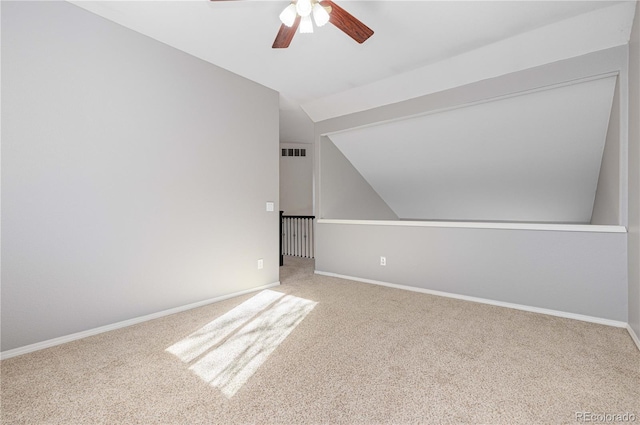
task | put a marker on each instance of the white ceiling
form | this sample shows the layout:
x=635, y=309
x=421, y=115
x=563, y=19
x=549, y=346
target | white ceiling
x=533, y=157
x=409, y=36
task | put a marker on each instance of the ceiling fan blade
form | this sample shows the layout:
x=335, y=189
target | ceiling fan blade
x=347, y=23
x=285, y=35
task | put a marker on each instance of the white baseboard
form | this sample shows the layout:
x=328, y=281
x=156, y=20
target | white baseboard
x=557, y=313
x=90, y=332
x=633, y=335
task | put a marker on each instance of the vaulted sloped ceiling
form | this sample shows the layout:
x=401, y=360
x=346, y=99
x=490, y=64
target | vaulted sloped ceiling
x=531, y=157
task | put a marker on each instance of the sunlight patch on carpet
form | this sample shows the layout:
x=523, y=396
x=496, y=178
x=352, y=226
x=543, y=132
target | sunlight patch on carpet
x=227, y=351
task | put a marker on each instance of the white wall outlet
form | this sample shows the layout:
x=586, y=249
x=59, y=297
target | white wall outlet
x=383, y=261
x=260, y=263
x=270, y=206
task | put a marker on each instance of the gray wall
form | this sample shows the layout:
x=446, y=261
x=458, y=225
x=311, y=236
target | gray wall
x=345, y=193
x=574, y=272
x=295, y=124
x=131, y=182
x=582, y=273
x=634, y=176
x=296, y=180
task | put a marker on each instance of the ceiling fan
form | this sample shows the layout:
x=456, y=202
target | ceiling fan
x=298, y=14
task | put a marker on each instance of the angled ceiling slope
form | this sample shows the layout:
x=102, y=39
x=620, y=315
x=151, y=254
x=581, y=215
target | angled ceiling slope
x=532, y=157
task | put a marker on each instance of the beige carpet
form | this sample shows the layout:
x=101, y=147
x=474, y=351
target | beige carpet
x=364, y=354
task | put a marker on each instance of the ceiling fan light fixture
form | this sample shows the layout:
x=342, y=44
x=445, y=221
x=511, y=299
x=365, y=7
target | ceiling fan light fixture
x=320, y=14
x=306, y=26
x=304, y=7
x=288, y=15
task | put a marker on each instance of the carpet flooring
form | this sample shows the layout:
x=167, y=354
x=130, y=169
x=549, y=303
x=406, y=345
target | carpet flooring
x=343, y=352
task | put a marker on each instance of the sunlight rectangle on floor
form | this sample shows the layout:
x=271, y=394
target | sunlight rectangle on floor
x=214, y=332
x=228, y=351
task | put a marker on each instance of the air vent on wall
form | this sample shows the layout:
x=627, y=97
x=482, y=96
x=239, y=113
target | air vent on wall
x=294, y=152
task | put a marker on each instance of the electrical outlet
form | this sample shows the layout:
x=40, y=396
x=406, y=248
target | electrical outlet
x=270, y=206
x=383, y=261
x=260, y=263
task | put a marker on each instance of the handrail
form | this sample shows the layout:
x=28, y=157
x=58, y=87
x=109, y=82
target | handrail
x=555, y=227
